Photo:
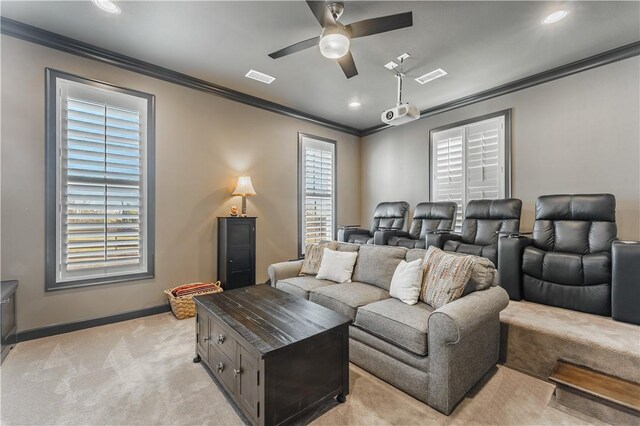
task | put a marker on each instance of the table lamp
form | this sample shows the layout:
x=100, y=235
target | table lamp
x=244, y=188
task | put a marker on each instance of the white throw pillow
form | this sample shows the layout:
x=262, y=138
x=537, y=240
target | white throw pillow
x=407, y=281
x=337, y=265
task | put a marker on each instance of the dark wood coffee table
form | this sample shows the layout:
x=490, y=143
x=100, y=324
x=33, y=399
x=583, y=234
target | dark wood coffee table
x=278, y=356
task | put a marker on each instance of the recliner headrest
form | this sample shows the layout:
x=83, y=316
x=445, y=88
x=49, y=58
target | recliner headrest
x=391, y=209
x=494, y=209
x=586, y=207
x=436, y=210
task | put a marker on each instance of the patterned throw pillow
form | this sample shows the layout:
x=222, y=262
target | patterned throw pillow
x=313, y=256
x=445, y=277
x=483, y=274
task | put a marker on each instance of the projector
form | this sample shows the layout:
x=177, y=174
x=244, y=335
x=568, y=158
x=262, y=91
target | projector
x=400, y=114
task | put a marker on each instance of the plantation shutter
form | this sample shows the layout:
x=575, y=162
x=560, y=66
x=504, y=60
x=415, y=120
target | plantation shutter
x=448, y=169
x=468, y=163
x=484, y=160
x=102, y=186
x=318, y=186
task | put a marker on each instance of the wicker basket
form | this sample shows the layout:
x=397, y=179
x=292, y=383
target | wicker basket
x=184, y=306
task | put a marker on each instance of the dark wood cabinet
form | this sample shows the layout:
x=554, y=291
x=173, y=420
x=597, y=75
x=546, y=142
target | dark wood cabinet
x=8, y=315
x=236, y=251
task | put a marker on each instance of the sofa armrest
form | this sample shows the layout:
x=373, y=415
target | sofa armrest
x=282, y=270
x=438, y=238
x=625, y=281
x=510, y=252
x=464, y=342
x=345, y=233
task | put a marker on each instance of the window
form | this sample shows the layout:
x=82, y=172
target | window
x=469, y=161
x=316, y=189
x=100, y=183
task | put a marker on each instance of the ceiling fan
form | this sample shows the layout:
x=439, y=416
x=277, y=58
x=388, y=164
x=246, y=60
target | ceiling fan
x=336, y=38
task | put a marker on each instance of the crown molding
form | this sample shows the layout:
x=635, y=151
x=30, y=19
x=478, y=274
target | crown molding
x=69, y=45
x=618, y=54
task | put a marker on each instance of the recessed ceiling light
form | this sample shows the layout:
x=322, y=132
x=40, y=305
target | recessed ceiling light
x=260, y=76
x=107, y=6
x=555, y=17
x=431, y=76
x=354, y=104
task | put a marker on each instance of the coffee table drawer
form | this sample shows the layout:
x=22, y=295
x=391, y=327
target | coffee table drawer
x=222, y=367
x=222, y=340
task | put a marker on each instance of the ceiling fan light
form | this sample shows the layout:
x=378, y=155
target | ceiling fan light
x=334, y=43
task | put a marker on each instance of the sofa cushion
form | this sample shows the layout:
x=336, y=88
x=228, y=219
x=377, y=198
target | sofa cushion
x=415, y=254
x=403, y=325
x=301, y=286
x=348, y=247
x=376, y=264
x=347, y=297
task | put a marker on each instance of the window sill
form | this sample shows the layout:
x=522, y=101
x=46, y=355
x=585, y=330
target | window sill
x=98, y=281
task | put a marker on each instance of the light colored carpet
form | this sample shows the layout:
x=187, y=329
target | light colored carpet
x=140, y=372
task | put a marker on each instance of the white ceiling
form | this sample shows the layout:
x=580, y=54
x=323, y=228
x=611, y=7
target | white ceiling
x=480, y=44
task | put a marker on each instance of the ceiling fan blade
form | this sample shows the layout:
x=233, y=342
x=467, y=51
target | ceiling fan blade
x=295, y=48
x=348, y=65
x=380, y=25
x=321, y=12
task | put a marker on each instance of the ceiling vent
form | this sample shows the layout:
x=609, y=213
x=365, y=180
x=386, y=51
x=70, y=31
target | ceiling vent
x=431, y=76
x=257, y=75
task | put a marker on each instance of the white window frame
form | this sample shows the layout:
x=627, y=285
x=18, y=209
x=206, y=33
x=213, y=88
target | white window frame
x=304, y=141
x=59, y=85
x=504, y=146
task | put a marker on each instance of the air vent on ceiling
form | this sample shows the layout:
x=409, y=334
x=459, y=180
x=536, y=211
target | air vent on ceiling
x=257, y=75
x=431, y=76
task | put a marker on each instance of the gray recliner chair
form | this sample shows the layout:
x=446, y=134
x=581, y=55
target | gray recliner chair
x=573, y=260
x=388, y=216
x=484, y=221
x=428, y=218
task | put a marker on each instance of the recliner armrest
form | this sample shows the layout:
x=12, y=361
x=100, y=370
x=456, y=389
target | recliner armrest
x=345, y=233
x=381, y=236
x=437, y=239
x=510, y=252
x=625, y=281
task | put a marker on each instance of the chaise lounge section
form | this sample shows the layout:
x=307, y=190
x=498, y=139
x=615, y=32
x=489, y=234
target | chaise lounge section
x=434, y=355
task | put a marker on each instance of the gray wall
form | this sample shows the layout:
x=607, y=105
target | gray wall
x=203, y=143
x=579, y=134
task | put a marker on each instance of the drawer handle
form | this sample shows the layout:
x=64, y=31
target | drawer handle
x=220, y=367
x=220, y=339
x=205, y=339
x=5, y=301
x=236, y=372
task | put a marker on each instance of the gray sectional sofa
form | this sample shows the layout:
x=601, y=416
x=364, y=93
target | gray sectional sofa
x=434, y=355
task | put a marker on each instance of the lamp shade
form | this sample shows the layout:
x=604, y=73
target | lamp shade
x=244, y=187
